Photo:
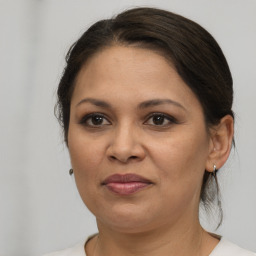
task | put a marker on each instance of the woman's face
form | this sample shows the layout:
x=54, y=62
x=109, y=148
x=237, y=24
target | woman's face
x=137, y=140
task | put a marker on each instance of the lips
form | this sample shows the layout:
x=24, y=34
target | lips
x=126, y=184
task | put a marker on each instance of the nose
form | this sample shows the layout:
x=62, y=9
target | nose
x=126, y=146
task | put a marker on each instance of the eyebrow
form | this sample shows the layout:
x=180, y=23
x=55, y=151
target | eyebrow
x=98, y=103
x=157, y=102
x=142, y=105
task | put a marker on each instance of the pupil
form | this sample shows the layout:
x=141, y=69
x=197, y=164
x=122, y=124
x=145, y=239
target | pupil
x=158, y=120
x=96, y=120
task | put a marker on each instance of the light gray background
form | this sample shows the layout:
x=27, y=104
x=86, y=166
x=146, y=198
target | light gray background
x=40, y=209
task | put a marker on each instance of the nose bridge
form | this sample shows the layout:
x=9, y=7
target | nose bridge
x=126, y=142
x=124, y=137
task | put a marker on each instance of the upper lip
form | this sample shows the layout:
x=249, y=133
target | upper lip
x=125, y=178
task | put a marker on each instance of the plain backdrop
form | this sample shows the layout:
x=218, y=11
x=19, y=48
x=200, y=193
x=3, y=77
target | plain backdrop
x=40, y=209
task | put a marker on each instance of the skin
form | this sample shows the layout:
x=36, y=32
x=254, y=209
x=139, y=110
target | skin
x=172, y=154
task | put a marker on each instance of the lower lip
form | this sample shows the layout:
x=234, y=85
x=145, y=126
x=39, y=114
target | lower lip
x=126, y=188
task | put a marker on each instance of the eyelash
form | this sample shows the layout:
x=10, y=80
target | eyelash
x=171, y=119
x=87, y=118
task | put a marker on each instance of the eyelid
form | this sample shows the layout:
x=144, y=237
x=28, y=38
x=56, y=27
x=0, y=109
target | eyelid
x=86, y=117
x=170, y=118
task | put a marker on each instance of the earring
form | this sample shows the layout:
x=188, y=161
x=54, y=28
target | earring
x=71, y=171
x=214, y=170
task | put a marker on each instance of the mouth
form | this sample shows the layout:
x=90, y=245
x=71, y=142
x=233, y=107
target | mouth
x=126, y=184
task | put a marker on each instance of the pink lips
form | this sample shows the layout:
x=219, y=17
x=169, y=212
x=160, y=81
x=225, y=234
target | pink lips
x=126, y=184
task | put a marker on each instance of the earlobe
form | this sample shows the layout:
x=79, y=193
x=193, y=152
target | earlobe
x=221, y=143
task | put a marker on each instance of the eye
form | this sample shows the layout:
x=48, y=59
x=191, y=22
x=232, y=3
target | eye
x=94, y=120
x=160, y=119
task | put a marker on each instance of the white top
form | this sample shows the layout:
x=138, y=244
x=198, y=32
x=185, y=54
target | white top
x=223, y=248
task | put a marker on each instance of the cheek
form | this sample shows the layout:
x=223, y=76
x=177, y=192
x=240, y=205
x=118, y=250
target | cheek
x=86, y=156
x=181, y=164
x=181, y=157
x=85, y=152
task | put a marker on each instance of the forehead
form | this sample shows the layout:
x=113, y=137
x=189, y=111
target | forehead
x=123, y=72
x=128, y=58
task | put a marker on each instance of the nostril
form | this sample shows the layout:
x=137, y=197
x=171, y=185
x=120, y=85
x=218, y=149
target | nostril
x=123, y=159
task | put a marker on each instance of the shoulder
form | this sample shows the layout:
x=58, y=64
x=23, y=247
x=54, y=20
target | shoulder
x=226, y=248
x=77, y=250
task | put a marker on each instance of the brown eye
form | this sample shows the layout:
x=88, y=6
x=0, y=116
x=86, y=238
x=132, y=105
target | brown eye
x=159, y=119
x=94, y=120
x=97, y=120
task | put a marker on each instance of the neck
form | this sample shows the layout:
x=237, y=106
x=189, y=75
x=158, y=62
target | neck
x=188, y=240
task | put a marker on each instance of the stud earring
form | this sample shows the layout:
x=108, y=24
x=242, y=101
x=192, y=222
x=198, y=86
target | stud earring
x=71, y=171
x=214, y=170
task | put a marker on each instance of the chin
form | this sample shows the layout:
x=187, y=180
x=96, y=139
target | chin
x=127, y=218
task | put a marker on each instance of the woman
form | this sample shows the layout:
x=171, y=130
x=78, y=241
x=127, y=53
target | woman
x=146, y=105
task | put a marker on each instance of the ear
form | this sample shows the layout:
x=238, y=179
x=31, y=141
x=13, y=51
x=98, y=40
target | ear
x=220, y=143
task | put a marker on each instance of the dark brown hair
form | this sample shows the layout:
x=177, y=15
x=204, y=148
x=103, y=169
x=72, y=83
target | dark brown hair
x=193, y=52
